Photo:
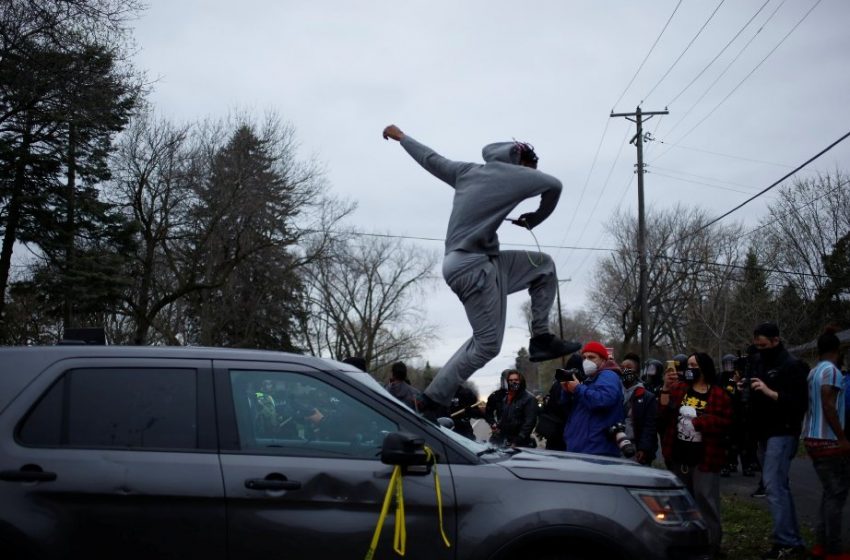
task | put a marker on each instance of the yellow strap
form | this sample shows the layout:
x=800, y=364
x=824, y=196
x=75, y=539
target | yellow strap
x=395, y=479
x=432, y=457
x=395, y=488
x=400, y=537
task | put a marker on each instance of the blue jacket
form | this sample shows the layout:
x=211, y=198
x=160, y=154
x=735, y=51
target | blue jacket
x=596, y=405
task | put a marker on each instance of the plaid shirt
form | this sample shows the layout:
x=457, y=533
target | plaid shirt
x=713, y=423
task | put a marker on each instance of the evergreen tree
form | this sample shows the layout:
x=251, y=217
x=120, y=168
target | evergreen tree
x=751, y=300
x=246, y=209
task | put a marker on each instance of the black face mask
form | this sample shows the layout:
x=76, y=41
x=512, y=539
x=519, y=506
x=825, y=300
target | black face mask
x=691, y=375
x=630, y=377
x=513, y=385
x=770, y=354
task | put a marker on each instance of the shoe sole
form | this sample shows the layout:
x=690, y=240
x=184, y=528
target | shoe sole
x=571, y=349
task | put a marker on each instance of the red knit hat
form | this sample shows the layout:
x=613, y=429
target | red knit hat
x=596, y=348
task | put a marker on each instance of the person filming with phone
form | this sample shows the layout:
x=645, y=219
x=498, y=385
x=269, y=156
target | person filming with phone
x=593, y=403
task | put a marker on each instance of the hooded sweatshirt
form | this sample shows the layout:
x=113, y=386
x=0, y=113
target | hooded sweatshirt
x=486, y=194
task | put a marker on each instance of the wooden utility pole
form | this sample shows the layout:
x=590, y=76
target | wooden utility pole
x=639, y=118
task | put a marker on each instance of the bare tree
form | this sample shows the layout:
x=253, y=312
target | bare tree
x=361, y=301
x=801, y=229
x=150, y=182
x=686, y=264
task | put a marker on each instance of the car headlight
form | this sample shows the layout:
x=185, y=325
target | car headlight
x=668, y=507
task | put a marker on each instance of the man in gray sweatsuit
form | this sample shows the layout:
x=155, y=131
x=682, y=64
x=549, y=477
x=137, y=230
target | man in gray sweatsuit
x=474, y=268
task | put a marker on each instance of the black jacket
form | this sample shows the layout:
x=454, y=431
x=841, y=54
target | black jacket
x=494, y=405
x=643, y=407
x=787, y=376
x=553, y=416
x=516, y=419
x=463, y=409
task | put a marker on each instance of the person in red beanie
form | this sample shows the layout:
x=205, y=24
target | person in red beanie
x=593, y=405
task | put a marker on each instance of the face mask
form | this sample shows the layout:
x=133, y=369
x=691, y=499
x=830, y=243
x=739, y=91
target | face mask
x=589, y=367
x=691, y=374
x=769, y=353
x=630, y=376
x=513, y=385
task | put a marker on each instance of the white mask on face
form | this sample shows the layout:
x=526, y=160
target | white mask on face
x=589, y=366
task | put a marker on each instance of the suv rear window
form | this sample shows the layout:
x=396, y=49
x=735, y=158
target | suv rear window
x=116, y=408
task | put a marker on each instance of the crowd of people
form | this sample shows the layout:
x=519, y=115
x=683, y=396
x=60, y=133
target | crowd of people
x=753, y=410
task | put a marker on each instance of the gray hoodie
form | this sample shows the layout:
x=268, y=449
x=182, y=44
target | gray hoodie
x=486, y=194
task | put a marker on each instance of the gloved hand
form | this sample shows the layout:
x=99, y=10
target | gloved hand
x=527, y=220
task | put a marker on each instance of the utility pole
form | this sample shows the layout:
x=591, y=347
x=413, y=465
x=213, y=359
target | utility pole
x=639, y=118
x=561, y=314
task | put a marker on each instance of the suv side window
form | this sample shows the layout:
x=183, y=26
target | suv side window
x=288, y=413
x=116, y=408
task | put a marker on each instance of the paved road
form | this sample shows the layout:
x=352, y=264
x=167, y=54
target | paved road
x=805, y=486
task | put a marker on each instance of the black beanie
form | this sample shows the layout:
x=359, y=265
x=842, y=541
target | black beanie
x=828, y=342
x=769, y=330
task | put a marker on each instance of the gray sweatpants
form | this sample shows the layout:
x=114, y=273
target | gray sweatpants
x=483, y=283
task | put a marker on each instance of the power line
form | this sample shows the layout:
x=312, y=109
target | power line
x=720, y=154
x=599, y=198
x=728, y=95
x=723, y=73
x=663, y=29
x=713, y=60
x=699, y=183
x=586, y=182
x=766, y=189
x=675, y=62
x=681, y=260
x=794, y=209
x=706, y=178
x=625, y=192
x=442, y=240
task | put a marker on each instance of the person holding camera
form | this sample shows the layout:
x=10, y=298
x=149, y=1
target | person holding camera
x=553, y=418
x=593, y=403
x=778, y=402
x=697, y=414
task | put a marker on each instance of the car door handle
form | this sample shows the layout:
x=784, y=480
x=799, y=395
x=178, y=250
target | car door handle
x=27, y=476
x=267, y=484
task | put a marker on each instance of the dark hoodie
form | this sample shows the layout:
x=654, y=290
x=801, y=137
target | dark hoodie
x=486, y=194
x=788, y=376
x=595, y=406
x=517, y=416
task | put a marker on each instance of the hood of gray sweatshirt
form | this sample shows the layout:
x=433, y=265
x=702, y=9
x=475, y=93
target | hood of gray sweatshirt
x=485, y=194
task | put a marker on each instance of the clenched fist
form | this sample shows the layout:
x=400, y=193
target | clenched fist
x=394, y=132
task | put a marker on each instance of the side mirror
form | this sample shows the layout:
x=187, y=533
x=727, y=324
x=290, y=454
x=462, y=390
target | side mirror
x=406, y=450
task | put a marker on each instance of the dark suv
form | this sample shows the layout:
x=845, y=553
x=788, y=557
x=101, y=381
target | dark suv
x=155, y=452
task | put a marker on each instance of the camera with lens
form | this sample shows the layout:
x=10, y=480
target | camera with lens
x=563, y=375
x=747, y=367
x=617, y=432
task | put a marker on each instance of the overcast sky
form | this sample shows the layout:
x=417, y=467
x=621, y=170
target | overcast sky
x=458, y=75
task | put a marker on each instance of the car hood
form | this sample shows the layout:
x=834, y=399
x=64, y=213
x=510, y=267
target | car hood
x=587, y=469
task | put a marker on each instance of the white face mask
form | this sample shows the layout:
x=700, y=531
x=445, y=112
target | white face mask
x=589, y=366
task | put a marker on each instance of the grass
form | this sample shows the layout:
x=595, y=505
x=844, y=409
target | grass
x=747, y=527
